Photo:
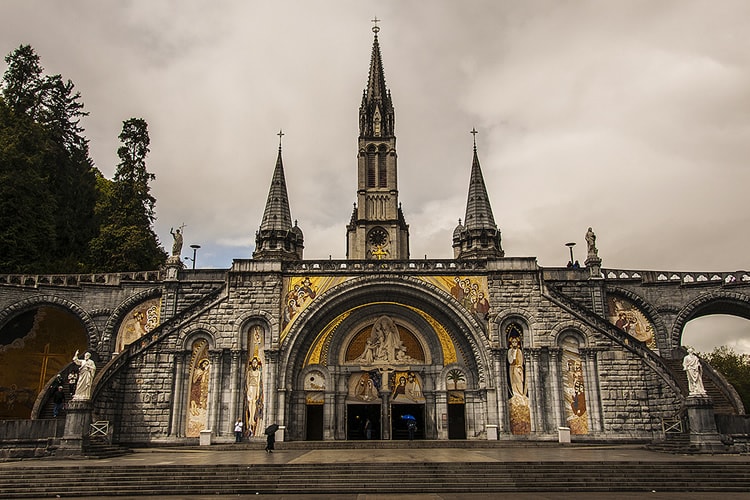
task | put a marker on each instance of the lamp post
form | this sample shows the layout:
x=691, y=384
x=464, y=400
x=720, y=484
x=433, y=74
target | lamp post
x=195, y=249
x=570, y=247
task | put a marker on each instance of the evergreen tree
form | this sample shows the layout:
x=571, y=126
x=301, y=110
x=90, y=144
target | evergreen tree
x=66, y=177
x=126, y=240
x=22, y=81
x=27, y=209
x=72, y=175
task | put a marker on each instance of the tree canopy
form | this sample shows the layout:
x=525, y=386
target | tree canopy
x=735, y=367
x=58, y=213
x=126, y=240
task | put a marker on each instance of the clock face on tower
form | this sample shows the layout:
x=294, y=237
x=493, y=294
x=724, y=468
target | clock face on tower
x=377, y=237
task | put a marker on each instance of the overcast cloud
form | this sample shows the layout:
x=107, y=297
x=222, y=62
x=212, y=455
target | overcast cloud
x=629, y=116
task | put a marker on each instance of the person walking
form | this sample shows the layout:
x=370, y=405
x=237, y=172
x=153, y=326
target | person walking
x=271, y=437
x=58, y=399
x=238, y=431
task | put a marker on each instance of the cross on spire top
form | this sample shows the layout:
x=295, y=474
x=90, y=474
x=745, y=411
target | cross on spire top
x=375, y=28
x=280, y=134
x=474, y=132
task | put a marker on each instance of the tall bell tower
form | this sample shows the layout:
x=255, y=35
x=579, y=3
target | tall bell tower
x=377, y=230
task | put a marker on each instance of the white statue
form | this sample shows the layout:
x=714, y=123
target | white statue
x=694, y=370
x=591, y=243
x=86, y=371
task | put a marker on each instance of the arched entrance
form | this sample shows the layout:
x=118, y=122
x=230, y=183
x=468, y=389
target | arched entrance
x=385, y=348
x=34, y=346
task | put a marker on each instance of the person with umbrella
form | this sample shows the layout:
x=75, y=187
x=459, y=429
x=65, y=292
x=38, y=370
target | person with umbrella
x=411, y=425
x=271, y=437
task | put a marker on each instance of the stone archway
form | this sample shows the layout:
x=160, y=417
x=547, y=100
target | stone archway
x=35, y=345
x=335, y=334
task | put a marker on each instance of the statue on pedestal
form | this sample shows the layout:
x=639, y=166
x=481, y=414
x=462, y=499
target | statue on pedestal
x=694, y=371
x=177, y=243
x=591, y=243
x=86, y=371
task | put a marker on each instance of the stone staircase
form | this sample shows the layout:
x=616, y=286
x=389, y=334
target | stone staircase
x=721, y=402
x=373, y=478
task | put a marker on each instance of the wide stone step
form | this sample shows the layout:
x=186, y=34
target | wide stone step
x=485, y=477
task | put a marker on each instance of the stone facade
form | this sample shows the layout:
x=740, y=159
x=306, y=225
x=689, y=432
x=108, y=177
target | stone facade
x=354, y=349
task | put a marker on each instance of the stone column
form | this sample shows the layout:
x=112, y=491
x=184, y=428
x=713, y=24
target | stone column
x=531, y=356
x=178, y=396
x=430, y=427
x=499, y=357
x=77, y=422
x=555, y=355
x=703, y=432
x=213, y=422
x=591, y=385
x=341, y=379
x=271, y=381
x=385, y=412
x=441, y=410
x=235, y=386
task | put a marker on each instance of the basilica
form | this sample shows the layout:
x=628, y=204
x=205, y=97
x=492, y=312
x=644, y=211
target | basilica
x=483, y=346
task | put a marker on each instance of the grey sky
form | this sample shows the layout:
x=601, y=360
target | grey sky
x=629, y=116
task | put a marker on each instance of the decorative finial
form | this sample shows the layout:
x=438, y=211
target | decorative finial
x=474, y=133
x=375, y=28
x=280, y=134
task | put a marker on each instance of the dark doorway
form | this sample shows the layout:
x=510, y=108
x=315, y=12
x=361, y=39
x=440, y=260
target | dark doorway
x=357, y=417
x=399, y=422
x=314, y=423
x=456, y=421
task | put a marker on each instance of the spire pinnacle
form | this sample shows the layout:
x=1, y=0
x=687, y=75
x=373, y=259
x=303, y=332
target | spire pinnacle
x=479, y=236
x=277, y=238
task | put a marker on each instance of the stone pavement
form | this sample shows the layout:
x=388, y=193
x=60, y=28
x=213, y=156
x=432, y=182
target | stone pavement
x=241, y=454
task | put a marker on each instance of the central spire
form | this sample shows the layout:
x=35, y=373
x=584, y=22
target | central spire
x=377, y=229
x=376, y=115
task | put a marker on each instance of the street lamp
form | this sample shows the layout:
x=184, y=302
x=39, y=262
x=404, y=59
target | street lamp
x=570, y=247
x=195, y=249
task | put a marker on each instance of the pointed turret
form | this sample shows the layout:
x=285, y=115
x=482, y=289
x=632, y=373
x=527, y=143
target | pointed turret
x=377, y=229
x=478, y=237
x=277, y=239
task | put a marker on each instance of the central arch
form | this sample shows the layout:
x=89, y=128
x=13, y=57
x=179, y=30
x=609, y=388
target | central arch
x=329, y=338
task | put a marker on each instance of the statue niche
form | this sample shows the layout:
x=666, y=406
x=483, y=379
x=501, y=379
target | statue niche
x=384, y=345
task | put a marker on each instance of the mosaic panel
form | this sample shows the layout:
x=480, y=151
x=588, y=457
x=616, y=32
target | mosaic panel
x=629, y=318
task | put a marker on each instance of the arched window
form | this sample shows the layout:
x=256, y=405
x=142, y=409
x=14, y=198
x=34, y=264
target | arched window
x=370, y=159
x=382, y=170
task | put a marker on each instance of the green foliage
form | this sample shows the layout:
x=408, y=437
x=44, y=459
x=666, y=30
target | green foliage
x=27, y=209
x=125, y=209
x=49, y=173
x=735, y=367
x=132, y=178
x=22, y=81
x=58, y=213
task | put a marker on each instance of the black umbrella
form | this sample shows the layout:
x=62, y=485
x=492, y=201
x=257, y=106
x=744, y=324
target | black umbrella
x=271, y=429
